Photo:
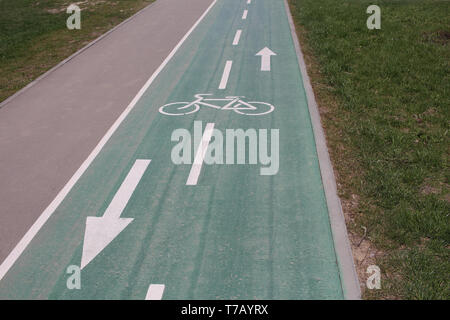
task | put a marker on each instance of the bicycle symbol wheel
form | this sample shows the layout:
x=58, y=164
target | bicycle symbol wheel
x=260, y=108
x=178, y=108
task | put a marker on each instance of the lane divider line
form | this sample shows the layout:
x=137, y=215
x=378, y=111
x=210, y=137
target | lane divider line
x=46, y=214
x=237, y=36
x=155, y=292
x=244, y=15
x=200, y=155
x=225, y=75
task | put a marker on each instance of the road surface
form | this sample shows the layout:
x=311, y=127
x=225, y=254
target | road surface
x=48, y=129
x=140, y=225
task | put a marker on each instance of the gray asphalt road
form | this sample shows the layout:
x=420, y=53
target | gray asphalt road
x=48, y=130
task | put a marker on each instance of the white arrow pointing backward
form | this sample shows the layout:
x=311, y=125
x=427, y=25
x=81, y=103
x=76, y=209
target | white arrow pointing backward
x=265, y=58
x=100, y=231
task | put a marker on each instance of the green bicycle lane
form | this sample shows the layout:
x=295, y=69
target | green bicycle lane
x=236, y=234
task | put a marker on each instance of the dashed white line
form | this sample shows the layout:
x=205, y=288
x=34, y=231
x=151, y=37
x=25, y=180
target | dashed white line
x=225, y=75
x=155, y=292
x=237, y=37
x=244, y=15
x=200, y=155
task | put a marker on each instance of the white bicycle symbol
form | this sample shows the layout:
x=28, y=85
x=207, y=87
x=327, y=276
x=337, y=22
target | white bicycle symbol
x=234, y=103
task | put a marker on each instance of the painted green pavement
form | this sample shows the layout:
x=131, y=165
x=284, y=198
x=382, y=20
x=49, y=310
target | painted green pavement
x=236, y=234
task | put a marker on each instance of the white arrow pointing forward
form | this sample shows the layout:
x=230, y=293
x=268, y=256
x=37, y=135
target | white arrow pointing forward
x=100, y=231
x=265, y=54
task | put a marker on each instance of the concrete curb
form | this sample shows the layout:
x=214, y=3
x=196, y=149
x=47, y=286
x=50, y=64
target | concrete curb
x=48, y=72
x=349, y=277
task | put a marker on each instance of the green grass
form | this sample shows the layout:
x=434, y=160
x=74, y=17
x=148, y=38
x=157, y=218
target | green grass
x=385, y=101
x=34, y=36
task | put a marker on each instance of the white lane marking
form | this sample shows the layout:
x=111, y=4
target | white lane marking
x=200, y=155
x=155, y=292
x=127, y=188
x=265, y=54
x=244, y=15
x=237, y=36
x=45, y=215
x=100, y=231
x=225, y=75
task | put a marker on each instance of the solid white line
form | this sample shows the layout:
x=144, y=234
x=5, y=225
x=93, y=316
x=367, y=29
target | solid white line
x=201, y=151
x=237, y=36
x=225, y=75
x=126, y=189
x=45, y=215
x=244, y=15
x=155, y=292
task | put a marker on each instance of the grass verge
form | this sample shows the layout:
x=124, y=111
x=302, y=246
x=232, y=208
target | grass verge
x=384, y=100
x=34, y=36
